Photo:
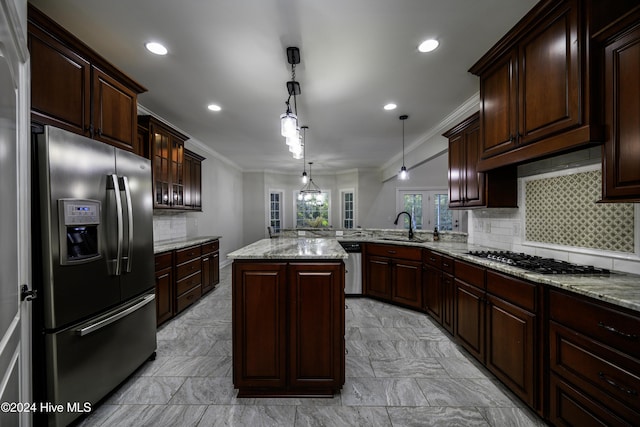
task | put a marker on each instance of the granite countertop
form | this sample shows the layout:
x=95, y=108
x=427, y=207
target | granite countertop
x=622, y=289
x=169, y=245
x=291, y=248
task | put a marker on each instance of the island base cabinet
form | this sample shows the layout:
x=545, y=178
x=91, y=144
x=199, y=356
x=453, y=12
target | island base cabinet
x=288, y=328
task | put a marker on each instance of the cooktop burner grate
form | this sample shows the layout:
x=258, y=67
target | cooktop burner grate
x=539, y=264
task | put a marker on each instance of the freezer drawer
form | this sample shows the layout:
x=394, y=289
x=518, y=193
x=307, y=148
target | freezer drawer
x=90, y=359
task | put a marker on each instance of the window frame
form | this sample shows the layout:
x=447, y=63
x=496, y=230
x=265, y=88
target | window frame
x=281, y=210
x=295, y=208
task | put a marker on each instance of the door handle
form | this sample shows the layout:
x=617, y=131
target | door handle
x=113, y=185
x=127, y=193
x=92, y=327
x=26, y=294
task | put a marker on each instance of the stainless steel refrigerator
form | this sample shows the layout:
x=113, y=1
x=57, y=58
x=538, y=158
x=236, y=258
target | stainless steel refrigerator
x=94, y=314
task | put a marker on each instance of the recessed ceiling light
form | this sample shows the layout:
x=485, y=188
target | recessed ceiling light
x=156, y=48
x=428, y=45
x=214, y=107
x=390, y=106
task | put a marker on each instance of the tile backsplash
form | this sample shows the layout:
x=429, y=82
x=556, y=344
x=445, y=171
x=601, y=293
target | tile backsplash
x=169, y=227
x=563, y=210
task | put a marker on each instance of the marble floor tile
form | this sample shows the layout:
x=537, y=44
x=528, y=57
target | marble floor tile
x=254, y=416
x=152, y=415
x=358, y=366
x=459, y=367
x=196, y=366
x=423, y=367
x=463, y=392
x=515, y=417
x=146, y=390
x=207, y=391
x=438, y=416
x=379, y=334
x=221, y=348
x=382, y=392
x=342, y=416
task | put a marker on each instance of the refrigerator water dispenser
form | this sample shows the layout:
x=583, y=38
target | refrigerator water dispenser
x=79, y=237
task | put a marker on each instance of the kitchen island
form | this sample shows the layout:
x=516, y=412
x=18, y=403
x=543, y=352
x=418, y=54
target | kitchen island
x=288, y=318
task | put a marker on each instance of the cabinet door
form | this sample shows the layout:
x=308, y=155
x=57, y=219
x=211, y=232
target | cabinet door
x=498, y=106
x=433, y=292
x=259, y=320
x=60, y=84
x=176, y=168
x=114, y=111
x=378, y=277
x=164, y=297
x=215, y=268
x=207, y=277
x=406, y=283
x=473, y=182
x=447, y=302
x=316, y=325
x=456, y=170
x=621, y=153
x=161, y=148
x=549, y=77
x=469, y=318
x=511, y=347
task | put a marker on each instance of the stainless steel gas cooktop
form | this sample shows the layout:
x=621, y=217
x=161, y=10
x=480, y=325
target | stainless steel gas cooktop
x=539, y=264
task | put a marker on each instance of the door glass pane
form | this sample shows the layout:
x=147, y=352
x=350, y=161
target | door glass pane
x=413, y=205
x=442, y=215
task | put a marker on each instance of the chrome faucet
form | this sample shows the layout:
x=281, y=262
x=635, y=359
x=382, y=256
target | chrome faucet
x=410, y=222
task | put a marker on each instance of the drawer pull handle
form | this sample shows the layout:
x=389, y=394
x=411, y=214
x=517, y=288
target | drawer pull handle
x=432, y=259
x=615, y=331
x=612, y=383
x=392, y=252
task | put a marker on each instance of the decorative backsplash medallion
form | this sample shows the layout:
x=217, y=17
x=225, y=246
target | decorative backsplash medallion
x=563, y=210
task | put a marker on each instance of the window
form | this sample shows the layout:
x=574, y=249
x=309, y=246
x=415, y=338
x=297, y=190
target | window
x=428, y=209
x=348, y=208
x=313, y=212
x=275, y=211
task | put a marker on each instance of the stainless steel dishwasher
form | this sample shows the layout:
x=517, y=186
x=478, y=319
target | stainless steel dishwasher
x=353, y=267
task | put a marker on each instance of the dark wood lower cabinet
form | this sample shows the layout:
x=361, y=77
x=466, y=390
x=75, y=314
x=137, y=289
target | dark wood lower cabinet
x=406, y=283
x=183, y=276
x=470, y=318
x=378, y=272
x=164, y=287
x=288, y=328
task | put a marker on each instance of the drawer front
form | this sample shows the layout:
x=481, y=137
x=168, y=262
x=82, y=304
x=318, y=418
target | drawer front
x=469, y=273
x=188, y=283
x=163, y=261
x=516, y=291
x=186, y=299
x=188, y=268
x=395, y=251
x=187, y=254
x=447, y=264
x=594, y=367
x=210, y=247
x=570, y=406
x=434, y=259
x=608, y=325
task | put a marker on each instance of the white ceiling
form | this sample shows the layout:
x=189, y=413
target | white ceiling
x=356, y=55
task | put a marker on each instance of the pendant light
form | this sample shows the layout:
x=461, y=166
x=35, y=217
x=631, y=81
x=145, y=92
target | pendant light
x=403, y=174
x=305, y=178
x=289, y=120
x=311, y=192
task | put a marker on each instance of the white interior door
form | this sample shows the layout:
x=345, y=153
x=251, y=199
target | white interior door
x=15, y=388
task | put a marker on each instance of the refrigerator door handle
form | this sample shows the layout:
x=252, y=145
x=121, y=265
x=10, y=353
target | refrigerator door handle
x=116, y=191
x=86, y=330
x=127, y=193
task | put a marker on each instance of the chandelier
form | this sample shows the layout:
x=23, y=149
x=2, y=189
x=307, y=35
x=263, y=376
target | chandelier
x=310, y=192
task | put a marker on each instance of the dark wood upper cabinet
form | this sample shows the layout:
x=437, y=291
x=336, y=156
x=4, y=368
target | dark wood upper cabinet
x=74, y=88
x=469, y=188
x=621, y=151
x=193, y=180
x=539, y=84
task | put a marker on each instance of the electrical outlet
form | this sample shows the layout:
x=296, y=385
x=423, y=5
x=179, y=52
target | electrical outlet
x=302, y=233
x=487, y=227
x=339, y=233
x=516, y=229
